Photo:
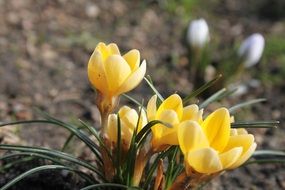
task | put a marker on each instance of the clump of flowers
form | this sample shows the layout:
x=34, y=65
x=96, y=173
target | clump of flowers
x=167, y=144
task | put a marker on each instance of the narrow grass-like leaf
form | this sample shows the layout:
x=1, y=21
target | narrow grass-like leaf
x=24, y=157
x=38, y=169
x=83, y=137
x=171, y=164
x=97, y=136
x=148, y=126
x=98, y=186
x=132, y=100
x=148, y=81
x=178, y=169
x=255, y=124
x=13, y=163
x=201, y=89
x=215, y=97
x=119, y=145
x=68, y=140
x=132, y=153
x=263, y=153
x=55, y=154
x=151, y=170
x=233, y=109
x=265, y=161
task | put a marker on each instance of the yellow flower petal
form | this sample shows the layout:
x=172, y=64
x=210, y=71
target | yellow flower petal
x=173, y=102
x=191, y=112
x=133, y=59
x=113, y=49
x=244, y=141
x=169, y=138
x=169, y=116
x=123, y=110
x=151, y=108
x=191, y=136
x=143, y=120
x=205, y=160
x=133, y=79
x=230, y=157
x=244, y=157
x=117, y=71
x=242, y=131
x=217, y=128
x=130, y=119
x=233, y=132
x=112, y=129
x=104, y=50
x=96, y=72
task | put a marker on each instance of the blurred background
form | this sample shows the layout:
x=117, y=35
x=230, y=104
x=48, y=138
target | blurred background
x=45, y=47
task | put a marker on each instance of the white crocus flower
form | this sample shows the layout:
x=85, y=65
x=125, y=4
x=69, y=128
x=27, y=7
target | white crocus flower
x=198, y=33
x=251, y=49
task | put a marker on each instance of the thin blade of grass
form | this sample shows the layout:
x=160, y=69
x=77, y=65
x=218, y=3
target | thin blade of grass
x=38, y=169
x=148, y=126
x=150, y=172
x=215, y=97
x=52, y=153
x=201, y=89
x=148, y=81
x=119, y=144
x=119, y=186
x=276, y=153
x=265, y=161
x=233, y=109
x=132, y=99
x=84, y=138
x=255, y=124
x=97, y=136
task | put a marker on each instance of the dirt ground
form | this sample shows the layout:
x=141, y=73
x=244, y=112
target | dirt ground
x=45, y=46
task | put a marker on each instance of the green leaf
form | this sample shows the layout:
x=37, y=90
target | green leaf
x=119, y=186
x=119, y=144
x=68, y=140
x=97, y=136
x=148, y=126
x=255, y=124
x=276, y=153
x=53, y=153
x=265, y=161
x=148, y=81
x=233, y=109
x=200, y=90
x=24, y=157
x=170, y=168
x=39, y=169
x=132, y=99
x=216, y=96
x=150, y=172
x=83, y=137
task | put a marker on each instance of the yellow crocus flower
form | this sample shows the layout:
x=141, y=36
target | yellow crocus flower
x=128, y=120
x=170, y=111
x=112, y=73
x=213, y=146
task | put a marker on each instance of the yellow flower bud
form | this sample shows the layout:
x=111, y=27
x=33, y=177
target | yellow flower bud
x=213, y=146
x=113, y=74
x=128, y=120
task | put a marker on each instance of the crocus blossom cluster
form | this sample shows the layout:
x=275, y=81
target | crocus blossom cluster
x=209, y=144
